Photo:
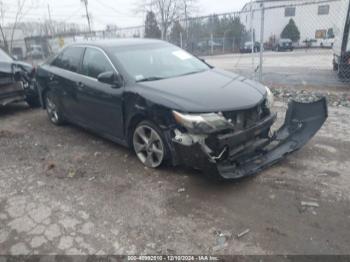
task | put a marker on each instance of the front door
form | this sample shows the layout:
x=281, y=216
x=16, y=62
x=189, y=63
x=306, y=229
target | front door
x=100, y=104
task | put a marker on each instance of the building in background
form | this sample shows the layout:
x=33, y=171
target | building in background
x=317, y=20
x=17, y=45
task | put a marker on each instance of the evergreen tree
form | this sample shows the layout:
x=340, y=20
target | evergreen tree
x=151, y=26
x=291, y=31
x=175, y=35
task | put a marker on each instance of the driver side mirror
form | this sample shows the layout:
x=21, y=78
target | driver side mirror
x=110, y=78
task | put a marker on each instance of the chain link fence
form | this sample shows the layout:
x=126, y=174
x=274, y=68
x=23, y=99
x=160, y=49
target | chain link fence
x=292, y=43
x=280, y=43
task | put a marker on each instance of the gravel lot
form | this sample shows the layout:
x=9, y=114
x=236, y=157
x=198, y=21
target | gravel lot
x=66, y=191
x=300, y=68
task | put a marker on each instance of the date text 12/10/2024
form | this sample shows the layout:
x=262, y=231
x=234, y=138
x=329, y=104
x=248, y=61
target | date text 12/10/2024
x=173, y=258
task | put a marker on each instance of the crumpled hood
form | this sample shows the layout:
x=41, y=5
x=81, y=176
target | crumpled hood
x=8, y=69
x=210, y=91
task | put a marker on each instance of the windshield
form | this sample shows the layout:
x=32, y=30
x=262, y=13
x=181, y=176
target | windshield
x=5, y=57
x=149, y=63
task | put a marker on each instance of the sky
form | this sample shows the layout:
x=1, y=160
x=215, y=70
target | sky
x=118, y=12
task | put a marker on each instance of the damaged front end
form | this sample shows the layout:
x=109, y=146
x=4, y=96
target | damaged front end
x=248, y=148
x=16, y=82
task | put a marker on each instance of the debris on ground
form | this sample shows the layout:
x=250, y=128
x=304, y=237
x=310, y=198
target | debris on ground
x=336, y=99
x=71, y=174
x=280, y=182
x=151, y=245
x=181, y=190
x=50, y=166
x=219, y=247
x=97, y=154
x=221, y=240
x=92, y=178
x=309, y=204
x=245, y=232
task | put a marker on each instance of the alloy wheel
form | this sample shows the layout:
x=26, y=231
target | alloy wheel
x=148, y=146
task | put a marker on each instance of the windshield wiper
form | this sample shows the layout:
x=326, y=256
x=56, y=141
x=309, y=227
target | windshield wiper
x=193, y=72
x=151, y=78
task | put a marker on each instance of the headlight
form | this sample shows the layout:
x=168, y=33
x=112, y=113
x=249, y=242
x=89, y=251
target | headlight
x=202, y=123
x=269, y=98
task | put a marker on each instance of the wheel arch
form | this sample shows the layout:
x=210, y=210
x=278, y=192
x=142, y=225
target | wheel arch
x=131, y=125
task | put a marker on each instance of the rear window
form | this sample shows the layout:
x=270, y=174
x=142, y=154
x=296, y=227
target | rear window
x=69, y=59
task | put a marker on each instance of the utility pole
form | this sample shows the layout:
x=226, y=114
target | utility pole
x=50, y=20
x=186, y=22
x=262, y=42
x=181, y=40
x=85, y=2
x=252, y=35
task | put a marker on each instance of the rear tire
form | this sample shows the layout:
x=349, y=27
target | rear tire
x=52, y=109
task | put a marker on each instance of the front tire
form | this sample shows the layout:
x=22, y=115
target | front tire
x=52, y=109
x=149, y=144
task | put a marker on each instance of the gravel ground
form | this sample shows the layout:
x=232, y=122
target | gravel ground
x=336, y=99
x=298, y=69
x=66, y=191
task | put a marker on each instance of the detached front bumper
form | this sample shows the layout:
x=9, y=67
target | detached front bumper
x=245, y=153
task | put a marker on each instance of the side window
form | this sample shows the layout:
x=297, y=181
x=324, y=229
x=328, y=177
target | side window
x=69, y=59
x=95, y=63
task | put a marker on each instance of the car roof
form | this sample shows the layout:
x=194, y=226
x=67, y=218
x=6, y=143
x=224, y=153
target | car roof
x=119, y=42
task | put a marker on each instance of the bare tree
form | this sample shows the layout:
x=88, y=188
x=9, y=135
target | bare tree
x=167, y=11
x=2, y=14
x=188, y=8
x=85, y=2
x=18, y=17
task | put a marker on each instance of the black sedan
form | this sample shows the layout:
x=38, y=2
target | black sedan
x=17, y=82
x=169, y=106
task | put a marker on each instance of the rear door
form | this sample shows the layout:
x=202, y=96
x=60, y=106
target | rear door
x=100, y=103
x=63, y=80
